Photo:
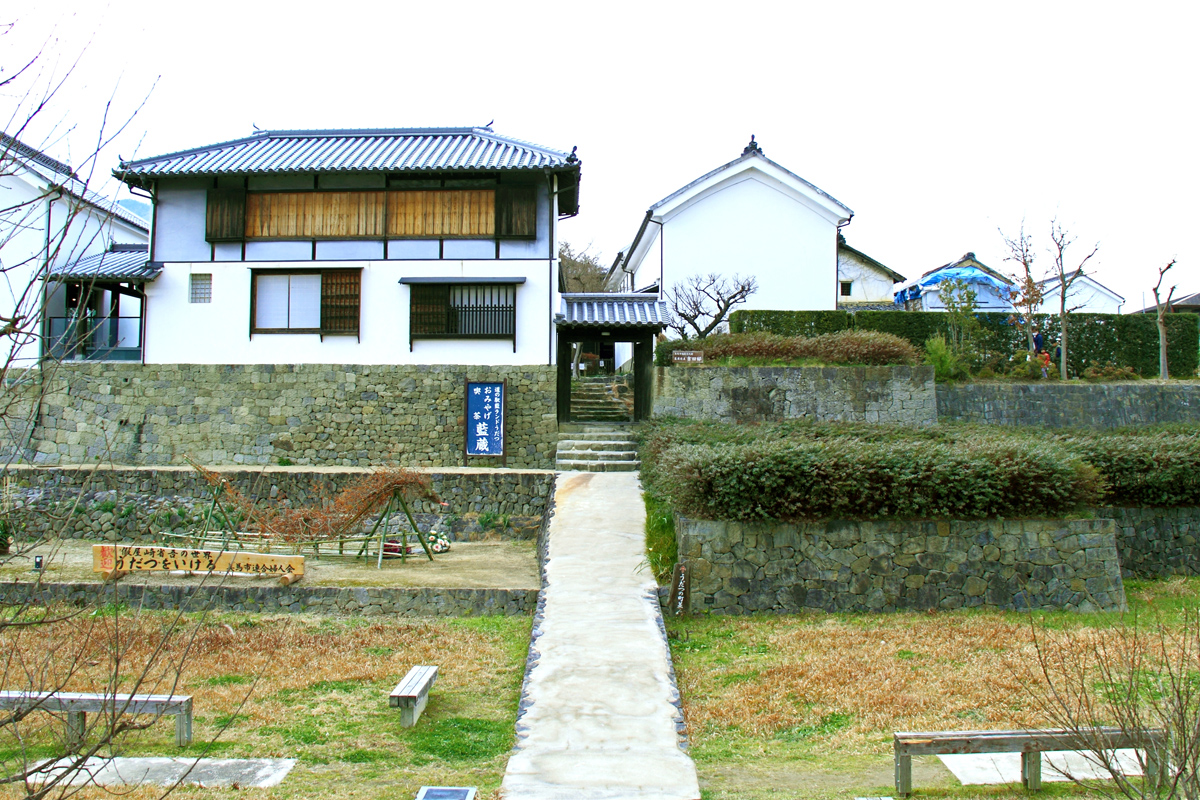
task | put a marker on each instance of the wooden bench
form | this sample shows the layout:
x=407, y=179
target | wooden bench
x=78, y=704
x=412, y=693
x=1030, y=744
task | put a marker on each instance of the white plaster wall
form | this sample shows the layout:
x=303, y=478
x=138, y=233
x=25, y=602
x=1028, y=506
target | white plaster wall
x=750, y=226
x=76, y=230
x=1082, y=296
x=178, y=331
x=867, y=282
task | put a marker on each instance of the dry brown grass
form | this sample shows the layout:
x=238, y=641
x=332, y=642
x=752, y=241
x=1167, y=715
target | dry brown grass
x=766, y=677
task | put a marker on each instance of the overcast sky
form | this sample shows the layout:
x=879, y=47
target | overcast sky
x=937, y=123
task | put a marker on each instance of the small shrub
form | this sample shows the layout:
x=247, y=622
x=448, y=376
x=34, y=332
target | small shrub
x=947, y=365
x=1110, y=372
x=864, y=347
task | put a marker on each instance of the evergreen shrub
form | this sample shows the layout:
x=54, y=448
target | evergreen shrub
x=847, y=478
x=799, y=470
x=843, y=347
x=789, y=323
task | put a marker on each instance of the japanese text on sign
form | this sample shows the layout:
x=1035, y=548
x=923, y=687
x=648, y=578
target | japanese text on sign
x=136, y=558
x=485, y=419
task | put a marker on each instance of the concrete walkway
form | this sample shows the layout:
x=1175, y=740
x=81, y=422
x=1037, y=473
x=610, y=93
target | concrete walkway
x=599, y=721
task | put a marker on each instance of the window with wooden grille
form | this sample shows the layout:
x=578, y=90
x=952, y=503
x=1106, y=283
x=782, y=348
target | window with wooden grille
x=306, y=301
x=463, y=311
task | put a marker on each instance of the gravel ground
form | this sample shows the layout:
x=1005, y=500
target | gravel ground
x=472, y=565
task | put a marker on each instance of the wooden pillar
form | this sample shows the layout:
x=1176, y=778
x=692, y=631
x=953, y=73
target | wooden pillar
x=643, y=377
x=564, y=378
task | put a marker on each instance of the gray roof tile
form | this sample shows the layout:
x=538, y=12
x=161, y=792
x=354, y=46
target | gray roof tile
x=613, y=310
x=384, y=150
x=121, y=264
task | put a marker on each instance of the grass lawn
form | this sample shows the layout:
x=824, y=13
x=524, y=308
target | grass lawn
x=805, y=706
x=311, y=688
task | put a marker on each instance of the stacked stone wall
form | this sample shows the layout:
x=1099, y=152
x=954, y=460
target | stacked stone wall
x=1058, y=405
x=140, y=503
x=334, y=601
x=350, y=415
x=1157, y=542
x=890, y=395
x=741, y=568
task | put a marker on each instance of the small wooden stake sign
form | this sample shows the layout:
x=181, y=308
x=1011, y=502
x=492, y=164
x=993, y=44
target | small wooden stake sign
x=681, y=591
x=114, y=560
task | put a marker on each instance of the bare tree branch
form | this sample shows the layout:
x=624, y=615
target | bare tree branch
x=701, y=303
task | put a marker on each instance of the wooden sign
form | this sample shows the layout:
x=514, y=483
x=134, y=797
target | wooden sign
x=681, y=591
x=687, y=356
x=114, y=560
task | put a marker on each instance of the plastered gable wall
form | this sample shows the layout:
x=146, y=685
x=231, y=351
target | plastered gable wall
x=867, y=283
x=752, y=226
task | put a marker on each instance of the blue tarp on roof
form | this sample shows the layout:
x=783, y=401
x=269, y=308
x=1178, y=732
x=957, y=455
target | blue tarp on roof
x=964, y=274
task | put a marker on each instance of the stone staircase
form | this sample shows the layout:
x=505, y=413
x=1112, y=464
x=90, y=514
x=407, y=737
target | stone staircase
x=592, y=401
x=596, y=447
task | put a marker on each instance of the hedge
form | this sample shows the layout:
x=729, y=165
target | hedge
x=1094, y=339
x=799, y=470
x=843, y=478
x=790, y=323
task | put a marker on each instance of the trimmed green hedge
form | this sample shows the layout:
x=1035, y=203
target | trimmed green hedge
x=797, y=470
x=1095, y=339
x=790, y=323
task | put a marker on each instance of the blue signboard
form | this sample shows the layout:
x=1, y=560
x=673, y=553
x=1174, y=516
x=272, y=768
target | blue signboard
x=485, y=418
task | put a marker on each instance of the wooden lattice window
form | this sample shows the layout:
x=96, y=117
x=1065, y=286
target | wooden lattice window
x=306, y=301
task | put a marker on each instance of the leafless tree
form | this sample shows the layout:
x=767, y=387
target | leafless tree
x=582, y=272
x=702, y=302
x=1028, y=295
x=1162, y=307
x=1061, y=241
x=45, y=647
x=1137, y=676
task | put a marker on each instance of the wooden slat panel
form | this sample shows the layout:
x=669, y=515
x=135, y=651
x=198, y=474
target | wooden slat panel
x=225, y=219
x=436, y=213
x=340, y=292
x=516, y=212
x=315, y=215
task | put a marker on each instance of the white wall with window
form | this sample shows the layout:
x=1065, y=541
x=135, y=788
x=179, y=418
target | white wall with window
x=293, y=313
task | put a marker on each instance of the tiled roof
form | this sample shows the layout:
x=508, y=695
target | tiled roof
x=59, y=174
x=612, y=310
x=123, y=263
x=381, y=150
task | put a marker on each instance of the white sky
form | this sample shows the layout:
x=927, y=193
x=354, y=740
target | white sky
x=936, y=122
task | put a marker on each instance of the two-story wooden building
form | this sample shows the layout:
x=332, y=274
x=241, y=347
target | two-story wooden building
x=403, y=246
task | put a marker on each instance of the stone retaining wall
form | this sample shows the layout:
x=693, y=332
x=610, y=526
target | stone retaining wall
x=893, y=395
x=740, y=568
x=357, y=601
x=352, y=415
x=1157, y=542
x=139, y=503
x=1058, y=405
